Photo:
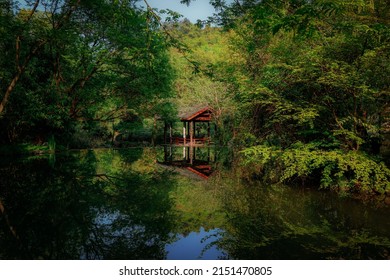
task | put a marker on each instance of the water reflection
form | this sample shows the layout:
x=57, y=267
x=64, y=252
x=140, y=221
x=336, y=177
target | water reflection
x=194, y=159
x=196, y=245
x=88, y=205
x=120, y=204
x=285, y=223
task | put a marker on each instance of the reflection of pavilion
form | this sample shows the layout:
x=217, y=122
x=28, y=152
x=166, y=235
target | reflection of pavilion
x=196, y=128
x=196, y=160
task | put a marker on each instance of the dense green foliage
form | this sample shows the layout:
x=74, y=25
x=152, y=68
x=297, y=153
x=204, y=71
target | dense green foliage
x=75, y=69
x=198, y=82
x=345, y=171
x=300, y=87
x=312, y=80
x=309, y=86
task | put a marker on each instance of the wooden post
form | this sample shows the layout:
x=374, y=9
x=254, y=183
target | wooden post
x=184, y=133
x=188, y=129
x=191, y=154
x=191, y=129
x=194, y=131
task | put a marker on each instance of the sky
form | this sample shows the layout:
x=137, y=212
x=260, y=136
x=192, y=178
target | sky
x=198, y=9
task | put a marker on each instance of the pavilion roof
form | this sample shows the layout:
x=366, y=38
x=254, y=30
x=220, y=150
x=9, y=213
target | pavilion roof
x=195, y=112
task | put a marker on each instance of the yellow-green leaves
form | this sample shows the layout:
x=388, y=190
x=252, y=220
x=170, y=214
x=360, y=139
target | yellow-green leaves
x=353, y=171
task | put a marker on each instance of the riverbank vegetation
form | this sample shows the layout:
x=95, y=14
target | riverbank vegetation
x=299, y=88
x=310, y=85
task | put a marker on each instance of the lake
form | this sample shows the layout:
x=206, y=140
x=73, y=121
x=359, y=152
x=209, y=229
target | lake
x=174, y=203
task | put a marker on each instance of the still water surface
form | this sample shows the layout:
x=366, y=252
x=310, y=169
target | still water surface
x=173, y=204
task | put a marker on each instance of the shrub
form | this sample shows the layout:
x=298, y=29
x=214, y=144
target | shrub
x=348, y=171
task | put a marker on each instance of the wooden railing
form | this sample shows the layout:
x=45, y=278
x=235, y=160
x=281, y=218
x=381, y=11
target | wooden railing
x=186, y=141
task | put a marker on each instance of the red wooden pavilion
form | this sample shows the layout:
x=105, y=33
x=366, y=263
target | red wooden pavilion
x=190, y=120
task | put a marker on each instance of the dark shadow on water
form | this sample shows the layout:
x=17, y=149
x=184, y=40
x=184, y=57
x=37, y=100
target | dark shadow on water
x=86, y=205
x=120, y=204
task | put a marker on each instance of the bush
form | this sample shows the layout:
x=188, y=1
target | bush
x=347, y=171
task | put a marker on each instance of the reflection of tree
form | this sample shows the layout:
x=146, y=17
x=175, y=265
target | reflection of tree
x=283, y=223
x=69, y=210
x=118, y=205
x=196, y=206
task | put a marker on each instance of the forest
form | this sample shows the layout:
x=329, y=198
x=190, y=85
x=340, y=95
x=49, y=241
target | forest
x=299, y=89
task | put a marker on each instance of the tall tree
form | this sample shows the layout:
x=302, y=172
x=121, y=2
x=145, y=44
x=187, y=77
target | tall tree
x=307, y=74
x=72, y=61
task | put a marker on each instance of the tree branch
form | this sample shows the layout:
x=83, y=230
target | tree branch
x=32, y=12
x=33, y=51
x=20, y=72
